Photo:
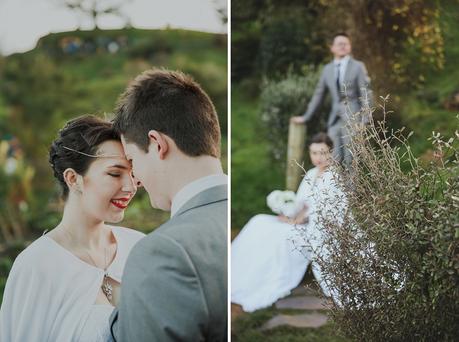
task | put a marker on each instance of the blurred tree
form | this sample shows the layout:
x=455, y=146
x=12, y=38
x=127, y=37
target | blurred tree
x=245, y=38
x=38, y=98
x=271, y=37
x=399, y=40
x=94, y=9
x=304, y=44
x=222, y=10
x=15, y=192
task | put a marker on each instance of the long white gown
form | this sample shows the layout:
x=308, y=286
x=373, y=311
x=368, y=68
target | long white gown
x=269, y=257
x=50, y=293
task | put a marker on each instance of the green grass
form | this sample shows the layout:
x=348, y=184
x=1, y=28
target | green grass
x=253, y=174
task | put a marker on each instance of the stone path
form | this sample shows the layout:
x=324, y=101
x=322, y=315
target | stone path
x=302, y=303
x=313, y=320
x=304, y=299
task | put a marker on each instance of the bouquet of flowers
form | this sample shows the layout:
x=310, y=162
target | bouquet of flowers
x=282, y=202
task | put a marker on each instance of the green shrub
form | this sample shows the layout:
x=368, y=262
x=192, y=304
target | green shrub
x=253, y=173
x=393, y=262
x=147, y=48
x=280, y=100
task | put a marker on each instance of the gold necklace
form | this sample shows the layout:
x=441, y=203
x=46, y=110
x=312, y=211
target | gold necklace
x=106, y=287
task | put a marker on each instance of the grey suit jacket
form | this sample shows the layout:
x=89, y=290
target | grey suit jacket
x=174, y=286
x=356, y=90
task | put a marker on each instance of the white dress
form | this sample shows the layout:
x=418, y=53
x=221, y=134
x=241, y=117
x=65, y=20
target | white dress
x=50, y=293
x=269, y=257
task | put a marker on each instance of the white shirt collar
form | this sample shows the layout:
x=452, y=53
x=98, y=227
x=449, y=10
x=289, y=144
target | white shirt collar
x=195, y=187
x=342, y=61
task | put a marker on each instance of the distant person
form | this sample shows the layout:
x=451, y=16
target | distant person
x=268, y=257
x=65, y=284
x=347, y=81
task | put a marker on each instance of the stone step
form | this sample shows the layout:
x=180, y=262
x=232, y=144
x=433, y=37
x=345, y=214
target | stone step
x=302, y=303
x=312, y=320
x=305, y=290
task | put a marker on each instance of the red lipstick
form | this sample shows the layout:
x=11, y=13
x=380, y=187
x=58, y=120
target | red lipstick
x=121, y=203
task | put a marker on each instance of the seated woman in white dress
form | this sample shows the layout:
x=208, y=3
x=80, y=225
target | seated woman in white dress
x=63, y=287
x=269, y=257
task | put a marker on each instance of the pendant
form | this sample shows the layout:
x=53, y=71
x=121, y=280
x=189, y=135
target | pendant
x=107, y=288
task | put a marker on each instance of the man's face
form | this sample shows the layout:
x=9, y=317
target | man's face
x=341, y=47
x=147, y=168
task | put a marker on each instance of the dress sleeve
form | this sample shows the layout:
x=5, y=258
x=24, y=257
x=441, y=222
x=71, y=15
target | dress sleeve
x=161, y=296
x=335, y=199
x=304, y=192
x=23, y=314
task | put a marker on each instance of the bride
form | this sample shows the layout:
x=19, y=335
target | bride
x=64, y=286
x=266, y=262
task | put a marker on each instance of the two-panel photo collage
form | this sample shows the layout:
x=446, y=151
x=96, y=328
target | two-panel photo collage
x=229, y=170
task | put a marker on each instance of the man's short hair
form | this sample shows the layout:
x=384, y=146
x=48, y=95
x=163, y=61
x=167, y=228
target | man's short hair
x=172, y=103
x=339, y=34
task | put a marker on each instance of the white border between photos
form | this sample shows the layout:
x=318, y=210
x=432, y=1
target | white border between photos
x=229, y=162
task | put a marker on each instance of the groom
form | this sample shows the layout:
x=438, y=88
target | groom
x=174, y=286
x=346, y=80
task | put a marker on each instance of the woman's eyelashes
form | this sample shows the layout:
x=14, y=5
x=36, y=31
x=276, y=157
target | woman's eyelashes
x=117, y=175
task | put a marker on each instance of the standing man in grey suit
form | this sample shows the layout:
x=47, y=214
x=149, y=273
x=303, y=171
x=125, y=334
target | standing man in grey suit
x=175, y=283
x=347, y=81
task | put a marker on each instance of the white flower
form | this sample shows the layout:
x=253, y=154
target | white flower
x=282, y=202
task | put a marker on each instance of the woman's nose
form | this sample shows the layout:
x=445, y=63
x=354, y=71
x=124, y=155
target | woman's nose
x=131, y=184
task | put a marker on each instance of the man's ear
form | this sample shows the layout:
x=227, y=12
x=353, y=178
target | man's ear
x=72, y=179
x=160, y=143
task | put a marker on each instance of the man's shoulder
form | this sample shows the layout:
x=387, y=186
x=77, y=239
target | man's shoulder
x=359, y=63
x=190, y=230
x=205, y=222
x=328, y=66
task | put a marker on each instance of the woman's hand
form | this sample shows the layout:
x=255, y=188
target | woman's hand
x=302, y=216
x=283, y=218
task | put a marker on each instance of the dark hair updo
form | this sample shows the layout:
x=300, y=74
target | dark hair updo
x=83, y=134
x=322, y=138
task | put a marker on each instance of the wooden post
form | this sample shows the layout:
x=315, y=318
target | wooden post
x=295, y=152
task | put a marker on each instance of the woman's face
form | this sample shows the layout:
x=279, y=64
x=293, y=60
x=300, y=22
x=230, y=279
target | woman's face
x=320, y=155
x=108, y=185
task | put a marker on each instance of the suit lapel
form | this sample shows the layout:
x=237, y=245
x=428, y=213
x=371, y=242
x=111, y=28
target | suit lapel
x=215, y=194
x=347, y=73
x=331, y=80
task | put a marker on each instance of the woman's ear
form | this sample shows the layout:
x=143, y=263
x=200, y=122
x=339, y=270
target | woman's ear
x=72, y=179
x=159, y=142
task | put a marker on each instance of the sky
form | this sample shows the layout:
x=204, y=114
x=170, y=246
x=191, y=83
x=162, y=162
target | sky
x=23, y=22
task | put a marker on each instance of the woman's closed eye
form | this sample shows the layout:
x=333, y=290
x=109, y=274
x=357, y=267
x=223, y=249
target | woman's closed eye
x=114, y=174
